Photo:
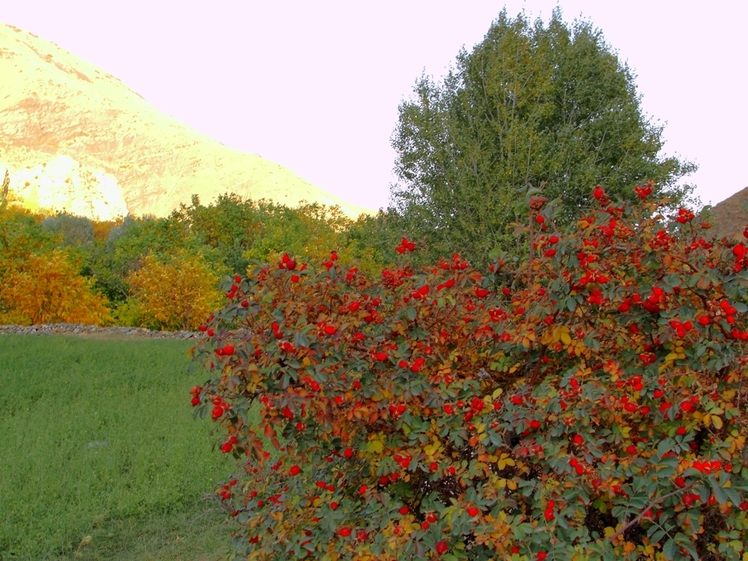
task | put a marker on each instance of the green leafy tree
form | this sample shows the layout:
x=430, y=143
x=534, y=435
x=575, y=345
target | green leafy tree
x=229, y=226
x=74, y=230
x=548, y=106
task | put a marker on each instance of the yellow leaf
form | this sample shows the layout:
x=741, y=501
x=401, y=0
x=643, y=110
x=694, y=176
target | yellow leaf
x=497, y=392
x=716, y=421
x=433, y=448
x=565, y=337
x=505, y=460
x=375, y=445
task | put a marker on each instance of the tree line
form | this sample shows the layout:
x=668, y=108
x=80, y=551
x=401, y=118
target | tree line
x=534, y=109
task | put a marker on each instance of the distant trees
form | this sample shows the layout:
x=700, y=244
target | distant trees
x=531, y=105
x=48, y=288
x=175, y=293
x=161, y=273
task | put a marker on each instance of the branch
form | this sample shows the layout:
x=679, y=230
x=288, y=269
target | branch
x=648, y=508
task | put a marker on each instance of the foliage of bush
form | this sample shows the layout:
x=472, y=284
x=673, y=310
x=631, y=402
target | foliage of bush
x=47, y=288
x=224, y=236
x=588, y=403
x=174, y=294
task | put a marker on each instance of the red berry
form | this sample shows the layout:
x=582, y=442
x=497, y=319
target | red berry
x=441, y=547
x=295, y=470
x=473, y=511
x=345, y=531
x=404, y=510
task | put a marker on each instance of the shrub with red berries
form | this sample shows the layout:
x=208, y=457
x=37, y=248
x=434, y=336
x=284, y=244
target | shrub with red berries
x=589, y=402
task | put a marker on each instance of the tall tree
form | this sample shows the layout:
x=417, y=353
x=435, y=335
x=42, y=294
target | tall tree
x=531, y=105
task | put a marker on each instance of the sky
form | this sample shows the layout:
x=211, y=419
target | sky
x=315, y=85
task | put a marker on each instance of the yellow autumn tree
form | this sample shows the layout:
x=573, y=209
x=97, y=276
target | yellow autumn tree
x=178, y=294
x=47, y=288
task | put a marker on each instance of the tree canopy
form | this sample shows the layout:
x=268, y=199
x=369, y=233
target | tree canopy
x=531, y=105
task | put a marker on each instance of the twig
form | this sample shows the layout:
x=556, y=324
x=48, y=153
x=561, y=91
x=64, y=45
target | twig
x=647, y=509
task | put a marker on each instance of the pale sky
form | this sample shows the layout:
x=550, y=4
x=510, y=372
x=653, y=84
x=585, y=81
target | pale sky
x=315, y=85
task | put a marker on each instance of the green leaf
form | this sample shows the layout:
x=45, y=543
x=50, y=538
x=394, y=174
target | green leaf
x=669, y=549
x=665, y=446
x=683, y=541
x=719, y=493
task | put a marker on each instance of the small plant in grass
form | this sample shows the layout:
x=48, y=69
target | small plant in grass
x=587, y=403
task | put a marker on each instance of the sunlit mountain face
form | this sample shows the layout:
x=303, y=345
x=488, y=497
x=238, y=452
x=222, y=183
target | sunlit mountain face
x=77, y=139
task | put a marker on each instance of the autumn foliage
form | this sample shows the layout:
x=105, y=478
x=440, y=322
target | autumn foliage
x=588, y=403
x=176, y=294
x=48, y=288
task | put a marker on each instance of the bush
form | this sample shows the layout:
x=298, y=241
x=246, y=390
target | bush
x=171, y=295
x=47, y=288
x=587, y=403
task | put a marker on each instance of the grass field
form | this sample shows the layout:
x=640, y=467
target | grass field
x=99, y=455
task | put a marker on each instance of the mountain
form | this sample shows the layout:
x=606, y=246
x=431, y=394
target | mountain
x=730, y=217
x=76, y=138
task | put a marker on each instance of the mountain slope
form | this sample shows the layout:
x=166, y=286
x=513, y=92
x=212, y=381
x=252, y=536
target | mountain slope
x=730, y=217
x=74, y=136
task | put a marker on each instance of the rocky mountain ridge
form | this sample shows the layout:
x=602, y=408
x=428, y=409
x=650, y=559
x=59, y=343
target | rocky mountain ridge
x=75, y=138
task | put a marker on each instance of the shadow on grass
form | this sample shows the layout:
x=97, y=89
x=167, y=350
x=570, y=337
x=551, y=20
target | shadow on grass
x=189, y=536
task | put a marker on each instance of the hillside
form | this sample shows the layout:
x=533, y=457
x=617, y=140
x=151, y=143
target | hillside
x=730, y=216
x=74, y=137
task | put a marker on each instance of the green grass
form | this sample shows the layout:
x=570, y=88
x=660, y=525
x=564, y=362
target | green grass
x=99, y=455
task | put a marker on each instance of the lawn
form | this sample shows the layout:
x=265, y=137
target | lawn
x=99, y=455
